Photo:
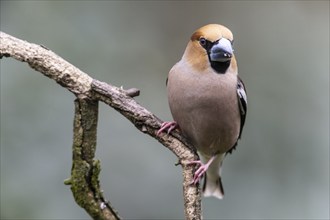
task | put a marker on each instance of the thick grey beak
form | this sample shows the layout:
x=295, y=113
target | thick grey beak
x=222, y=51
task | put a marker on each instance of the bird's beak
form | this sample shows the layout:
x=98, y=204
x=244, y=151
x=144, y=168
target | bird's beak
x=221, y=51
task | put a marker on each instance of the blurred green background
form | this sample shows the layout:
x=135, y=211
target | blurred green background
x=281, y=166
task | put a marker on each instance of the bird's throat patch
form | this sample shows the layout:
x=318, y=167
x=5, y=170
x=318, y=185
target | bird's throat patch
x=220, y=67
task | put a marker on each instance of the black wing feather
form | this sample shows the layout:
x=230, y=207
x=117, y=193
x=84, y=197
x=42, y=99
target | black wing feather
x=242, y=104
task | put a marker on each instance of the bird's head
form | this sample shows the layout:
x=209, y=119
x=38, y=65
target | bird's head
x=211, y=46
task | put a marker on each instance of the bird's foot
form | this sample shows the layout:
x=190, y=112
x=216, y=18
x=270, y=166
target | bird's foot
x=201, y=170
x=168, y=125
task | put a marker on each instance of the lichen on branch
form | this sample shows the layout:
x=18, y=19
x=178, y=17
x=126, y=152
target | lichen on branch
x=84, y=180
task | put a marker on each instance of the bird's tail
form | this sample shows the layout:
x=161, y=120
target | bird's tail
x=213, y=187
x=212, y=180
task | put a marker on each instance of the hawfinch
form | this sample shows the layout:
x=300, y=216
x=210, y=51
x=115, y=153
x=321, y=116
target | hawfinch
x=208, y=102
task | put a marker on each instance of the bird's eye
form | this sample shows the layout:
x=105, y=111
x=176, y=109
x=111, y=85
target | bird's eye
x=202, y=41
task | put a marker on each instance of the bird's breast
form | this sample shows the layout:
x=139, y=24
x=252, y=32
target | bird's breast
x=206, y=108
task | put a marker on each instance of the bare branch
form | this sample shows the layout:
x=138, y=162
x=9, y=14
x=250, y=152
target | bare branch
x=85, y=171
x=46, y=62
x=89, y=91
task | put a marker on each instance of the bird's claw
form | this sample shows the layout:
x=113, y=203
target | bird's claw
x=168, y=125
x=199, y=172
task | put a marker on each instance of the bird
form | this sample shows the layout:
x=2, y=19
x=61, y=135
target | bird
x=208, y=102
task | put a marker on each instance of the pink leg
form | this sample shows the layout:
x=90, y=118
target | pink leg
x=168, y=125
x=201, y=170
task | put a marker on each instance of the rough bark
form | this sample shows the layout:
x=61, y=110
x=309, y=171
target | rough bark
x=84, y=179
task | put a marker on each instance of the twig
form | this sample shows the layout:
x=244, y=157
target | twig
x=89, y=92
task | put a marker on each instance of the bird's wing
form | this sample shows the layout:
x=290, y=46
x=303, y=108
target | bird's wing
x=242, y=102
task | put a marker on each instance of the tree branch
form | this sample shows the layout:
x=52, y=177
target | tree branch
x=89, y=91
x=85, y=170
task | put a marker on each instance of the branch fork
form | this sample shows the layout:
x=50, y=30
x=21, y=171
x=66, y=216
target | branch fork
x=84, y=180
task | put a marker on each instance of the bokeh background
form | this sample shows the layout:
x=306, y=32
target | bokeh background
x=280, y=169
